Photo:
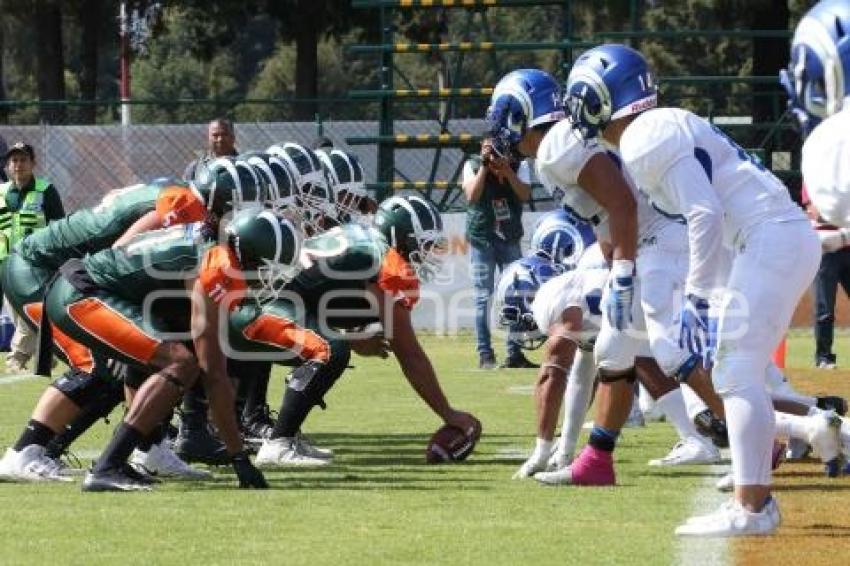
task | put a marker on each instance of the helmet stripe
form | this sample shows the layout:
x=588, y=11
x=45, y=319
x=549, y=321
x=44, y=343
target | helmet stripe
x=278, y=236
x=816, y=37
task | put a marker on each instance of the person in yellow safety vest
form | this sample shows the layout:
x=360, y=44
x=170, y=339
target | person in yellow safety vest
x=27, y=203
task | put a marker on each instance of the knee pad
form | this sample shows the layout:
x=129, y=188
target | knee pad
x=608, y=376
x=83, y=388
x=615, y=351
x=684, y=372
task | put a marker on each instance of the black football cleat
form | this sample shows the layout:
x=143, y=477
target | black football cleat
x=199, y=444
x=115, y=479
x=708, y=425
x=257, y=426
x=518, y=361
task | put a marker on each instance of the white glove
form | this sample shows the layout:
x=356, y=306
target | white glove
x=833, y=240
x=537, y=461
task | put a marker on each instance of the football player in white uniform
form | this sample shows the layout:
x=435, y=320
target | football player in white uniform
x=818, y=85
x=662, y=260
x=525, y=109
x=689, y=167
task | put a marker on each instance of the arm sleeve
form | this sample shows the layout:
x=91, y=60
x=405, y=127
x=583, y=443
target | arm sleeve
x=53, y=209
x=687, y=181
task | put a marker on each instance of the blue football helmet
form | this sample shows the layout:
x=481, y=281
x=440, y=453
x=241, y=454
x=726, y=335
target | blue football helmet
x=818, y=76
x=562, y=238
x=522, y=99
x=515, y=293
x=608, y=82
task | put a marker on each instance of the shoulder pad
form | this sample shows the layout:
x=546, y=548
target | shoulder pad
x=398, y=279
x=652, y=143
x=221, y=277
x=179, y=204
x=562, y=156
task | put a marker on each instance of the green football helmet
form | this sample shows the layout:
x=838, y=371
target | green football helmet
x=268, y=247
x=314, y=196
x=227, y=185
x=414, y=227
x=278, y=178
x=347, y=182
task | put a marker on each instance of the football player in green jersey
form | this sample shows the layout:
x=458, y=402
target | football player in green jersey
x=351, y=276
x=84, y=393
x=108, y=302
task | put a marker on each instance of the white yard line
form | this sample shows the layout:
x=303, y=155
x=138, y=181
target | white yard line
x=9, y=379
x=696, y=551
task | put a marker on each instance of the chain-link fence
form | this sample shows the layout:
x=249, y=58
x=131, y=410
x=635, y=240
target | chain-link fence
x=84, y=162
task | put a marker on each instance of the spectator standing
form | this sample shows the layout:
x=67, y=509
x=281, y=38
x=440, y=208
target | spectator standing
x=3, y=149
x=221, y=142
x=834, y=270
x=27, y=203
x=495, y=187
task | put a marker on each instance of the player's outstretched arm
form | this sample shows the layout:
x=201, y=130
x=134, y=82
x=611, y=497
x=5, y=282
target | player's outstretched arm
x=219, y=389
x=416, y=365
x=601, y=178
x=146, y=223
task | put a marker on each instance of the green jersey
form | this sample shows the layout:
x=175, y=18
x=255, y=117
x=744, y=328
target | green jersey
x=340, y=263
x=93, y=229
x=164, y=260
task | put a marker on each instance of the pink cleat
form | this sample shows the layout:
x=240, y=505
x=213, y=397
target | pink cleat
x=592, y=467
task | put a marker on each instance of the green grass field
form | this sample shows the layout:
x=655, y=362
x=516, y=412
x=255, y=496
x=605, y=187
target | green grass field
x=379, y=502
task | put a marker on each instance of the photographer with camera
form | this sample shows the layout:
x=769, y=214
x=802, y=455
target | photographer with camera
x=496, y=186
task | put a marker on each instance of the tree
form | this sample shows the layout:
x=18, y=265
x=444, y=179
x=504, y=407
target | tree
x=90, y=14
x=47, y=19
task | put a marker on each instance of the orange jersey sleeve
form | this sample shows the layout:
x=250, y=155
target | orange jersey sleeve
x=179, y=205
x=221, y=277
x=398, y=279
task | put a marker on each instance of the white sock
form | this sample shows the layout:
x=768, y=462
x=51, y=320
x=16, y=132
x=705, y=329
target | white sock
x=693, y=403
x=750, y=421
x=577, y=399
x=645, y=400
x=672, y=404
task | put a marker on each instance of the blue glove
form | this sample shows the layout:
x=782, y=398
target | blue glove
x=698, y=330
x=621, y=290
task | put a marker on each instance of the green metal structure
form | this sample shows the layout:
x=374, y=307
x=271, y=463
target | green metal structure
x=767, y=139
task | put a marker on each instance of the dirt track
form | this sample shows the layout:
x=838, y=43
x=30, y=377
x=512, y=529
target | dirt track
x=815, y=509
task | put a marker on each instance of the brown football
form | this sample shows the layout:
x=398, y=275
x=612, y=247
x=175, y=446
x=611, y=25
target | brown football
x=451, y=444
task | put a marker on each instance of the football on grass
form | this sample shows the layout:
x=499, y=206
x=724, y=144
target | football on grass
x=451, y=444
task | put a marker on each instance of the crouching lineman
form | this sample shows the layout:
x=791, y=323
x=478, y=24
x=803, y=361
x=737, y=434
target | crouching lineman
x=565, y=309
x=88, y=391
x=108, y=302
x=352, y=276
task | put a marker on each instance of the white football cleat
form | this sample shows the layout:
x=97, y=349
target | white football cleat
x=308, y=447
x=277, y=452
x=562, y=476
x=823, y=435
x=689, y=451
x=161, y=461
x=559, y=459
x=726, y=483
x=732, y=520
x=31, y=464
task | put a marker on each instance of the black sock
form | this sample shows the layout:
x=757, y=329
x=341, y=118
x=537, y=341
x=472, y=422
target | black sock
x=293, y=413
x=34, y=433
x=603, y=439
x=125, y=439
x=155, y=437
x=256, y=395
